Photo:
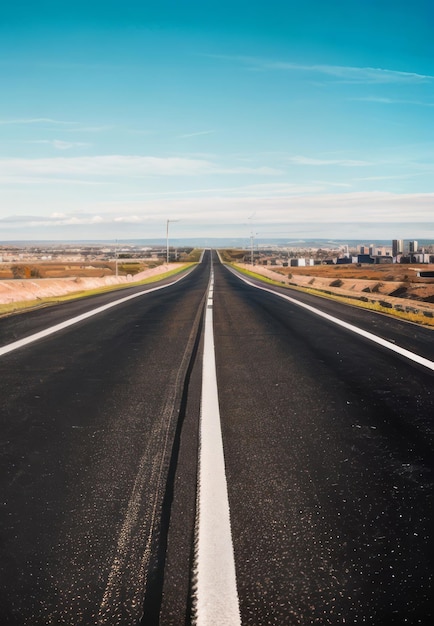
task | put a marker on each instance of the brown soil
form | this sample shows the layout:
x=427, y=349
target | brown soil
x=21, y=290
x=66, y=270
x=392, y=280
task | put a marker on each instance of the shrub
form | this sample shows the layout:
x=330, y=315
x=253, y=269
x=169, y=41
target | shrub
x=376, y=288
x=18, y=271
x=336, y=283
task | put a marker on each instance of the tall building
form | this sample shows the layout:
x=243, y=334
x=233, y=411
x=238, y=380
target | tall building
x=412, y=246
x=397, y=247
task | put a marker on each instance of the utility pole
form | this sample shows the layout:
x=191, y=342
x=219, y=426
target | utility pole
x=167, y=238
x=252, y=236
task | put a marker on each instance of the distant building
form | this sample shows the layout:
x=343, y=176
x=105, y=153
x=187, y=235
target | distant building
x=420, y=258
x=365, y=258
x=397, y=247
x=412, y=246
x=381, y=259
x=298, y=262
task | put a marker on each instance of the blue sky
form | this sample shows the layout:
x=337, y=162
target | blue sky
x=282, y=118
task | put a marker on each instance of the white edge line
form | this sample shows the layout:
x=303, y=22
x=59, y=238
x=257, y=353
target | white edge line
x=215, y=591
x=20, y=343
x=420, y=360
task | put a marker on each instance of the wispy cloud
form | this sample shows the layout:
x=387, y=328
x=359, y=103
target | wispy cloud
x=67, y=126
x=118, y=166
x=327, y=211
x=342, y=73
x=381, y=100
x=302, y=160
x=202, y=132
x=356, y=207
x=37, y=120
x=255, y=190
x=58, y=144
x=357, y=74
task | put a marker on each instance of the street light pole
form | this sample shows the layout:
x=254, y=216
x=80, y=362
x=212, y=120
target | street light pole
x=116, y=257
x=167, y=239
x=252, y=236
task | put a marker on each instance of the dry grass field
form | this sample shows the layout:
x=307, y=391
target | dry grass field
x=95, y=269
x=398, y=280
x=393, y=272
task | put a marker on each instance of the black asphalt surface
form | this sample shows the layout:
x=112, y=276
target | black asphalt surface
x=88, y=420
x=328, y=445
x=329, y=449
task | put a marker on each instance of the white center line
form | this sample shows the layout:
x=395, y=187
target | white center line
x=216, y=596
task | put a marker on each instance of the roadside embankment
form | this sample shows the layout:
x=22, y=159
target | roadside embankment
x=353, y=291
x=23, y=290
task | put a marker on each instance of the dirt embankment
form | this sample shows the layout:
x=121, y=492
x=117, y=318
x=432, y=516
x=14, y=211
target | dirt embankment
x=404, y=292
x=21, y=290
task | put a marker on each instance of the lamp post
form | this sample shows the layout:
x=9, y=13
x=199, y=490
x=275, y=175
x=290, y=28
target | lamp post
x=167, y=239
x=252, y=236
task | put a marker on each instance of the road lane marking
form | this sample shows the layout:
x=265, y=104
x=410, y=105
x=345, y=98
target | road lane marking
x=215, y=592
x=20, y=343
x=416, y=358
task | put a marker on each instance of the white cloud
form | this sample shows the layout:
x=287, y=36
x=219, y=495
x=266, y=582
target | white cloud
x=66, y=126
x=365, y=75
x=259, y=189
x=113, y=166
x=203, y=132
x=37, y=120
x=356, y=207
x=58, y=144
x=381, y=100
x=308, y=215
x=302, y=160
x=356, y=74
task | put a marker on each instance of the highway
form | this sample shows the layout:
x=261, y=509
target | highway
x=328, y=444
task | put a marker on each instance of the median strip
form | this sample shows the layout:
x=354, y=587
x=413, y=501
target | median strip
x=215, y=590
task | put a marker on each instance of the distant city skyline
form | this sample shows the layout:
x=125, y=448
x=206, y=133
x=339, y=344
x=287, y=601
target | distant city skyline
x=283, y=118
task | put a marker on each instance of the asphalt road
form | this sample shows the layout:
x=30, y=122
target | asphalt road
x=328, y=443
x=88, y=420
x=329, y=451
